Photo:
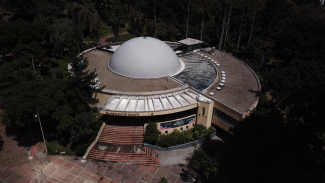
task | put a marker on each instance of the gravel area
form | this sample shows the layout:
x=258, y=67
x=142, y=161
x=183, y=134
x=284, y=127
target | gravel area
x=241, y=86
x=99, y=59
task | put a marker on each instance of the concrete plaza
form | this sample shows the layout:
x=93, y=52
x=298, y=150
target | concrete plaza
x=67, y=169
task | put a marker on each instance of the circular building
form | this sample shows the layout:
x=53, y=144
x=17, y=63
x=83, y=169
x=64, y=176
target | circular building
x=176, y=85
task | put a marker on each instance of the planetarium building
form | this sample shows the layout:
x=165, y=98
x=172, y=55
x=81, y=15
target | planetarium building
x=175, y=85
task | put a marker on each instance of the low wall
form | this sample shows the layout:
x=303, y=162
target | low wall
x=181, y=146
x=95, y=141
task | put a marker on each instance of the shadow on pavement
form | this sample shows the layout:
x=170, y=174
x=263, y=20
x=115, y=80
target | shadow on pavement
x=25, y=136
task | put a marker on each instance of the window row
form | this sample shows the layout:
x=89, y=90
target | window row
x=224, y=117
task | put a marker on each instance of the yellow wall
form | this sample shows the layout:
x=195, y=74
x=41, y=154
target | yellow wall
x=207, y=109
x=222, y=125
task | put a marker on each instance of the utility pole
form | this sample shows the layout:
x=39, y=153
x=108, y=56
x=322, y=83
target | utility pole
x=33, y=64
x=40, y=124
x=202, y=27
x=226, y=36
x=188, y=12
x=250, y=36
x=223, y=27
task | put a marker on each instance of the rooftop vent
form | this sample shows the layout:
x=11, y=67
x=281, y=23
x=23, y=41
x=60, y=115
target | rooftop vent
x=211, y=93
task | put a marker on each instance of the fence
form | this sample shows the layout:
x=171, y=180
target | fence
x=181, y=146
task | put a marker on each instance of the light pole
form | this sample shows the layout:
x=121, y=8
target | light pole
x=40, y=124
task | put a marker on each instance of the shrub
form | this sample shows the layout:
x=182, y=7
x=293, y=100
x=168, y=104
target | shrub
x=151, y=134
x=163, y=180
x=199, y=131
x=81, y=149
x=1, y=143
x=212, y=129
x=177, y=137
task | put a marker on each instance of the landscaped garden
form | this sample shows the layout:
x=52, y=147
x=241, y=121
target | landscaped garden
x=152, y=135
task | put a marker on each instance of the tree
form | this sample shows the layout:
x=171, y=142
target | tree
x=151, y=134
x=116, y=17
x=167, y=31
x=115, y=23
x=80, y=85
x=136, y=23
x=79, y=26
x=81, y=126
x=266, y=148
x=151, y=28
x=62, y=35
x=204, y=164
x=95, y=25
x=8, y=39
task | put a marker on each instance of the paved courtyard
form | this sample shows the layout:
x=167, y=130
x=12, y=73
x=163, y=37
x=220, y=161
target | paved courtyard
x=66, y=169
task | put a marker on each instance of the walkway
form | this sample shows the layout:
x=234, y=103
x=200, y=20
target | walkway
x=66, y=169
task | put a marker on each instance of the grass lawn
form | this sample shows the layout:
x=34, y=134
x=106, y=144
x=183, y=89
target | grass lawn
x=120, y=38
x=106, y=30
x=55, y=148
x=88, y=39
x=60, y=66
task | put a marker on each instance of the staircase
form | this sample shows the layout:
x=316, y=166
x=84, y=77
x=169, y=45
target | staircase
x=123, y=144
x=122, y=135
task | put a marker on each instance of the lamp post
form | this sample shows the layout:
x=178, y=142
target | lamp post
x=39, y=120
x=40, y=124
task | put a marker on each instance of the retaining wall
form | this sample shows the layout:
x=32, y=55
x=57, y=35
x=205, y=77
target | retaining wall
x=181, y=146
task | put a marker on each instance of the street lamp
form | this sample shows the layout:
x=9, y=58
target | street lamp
x=39, y=120
x=40, y=124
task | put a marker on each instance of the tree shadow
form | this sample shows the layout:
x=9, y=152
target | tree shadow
x=257, y=93
x=25, y=136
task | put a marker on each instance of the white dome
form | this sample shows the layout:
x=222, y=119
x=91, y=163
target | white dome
x=144, y=57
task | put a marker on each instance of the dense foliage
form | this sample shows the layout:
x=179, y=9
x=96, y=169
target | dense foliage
x=176, y=137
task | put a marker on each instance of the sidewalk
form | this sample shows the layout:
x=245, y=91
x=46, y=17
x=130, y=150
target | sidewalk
x=179, y=157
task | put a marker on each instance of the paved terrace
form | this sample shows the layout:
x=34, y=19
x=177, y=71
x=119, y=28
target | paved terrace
x=66, y=169
x=241, y=86
x=99, y=59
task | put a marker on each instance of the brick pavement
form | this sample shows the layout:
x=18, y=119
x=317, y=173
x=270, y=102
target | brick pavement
x=66, y=169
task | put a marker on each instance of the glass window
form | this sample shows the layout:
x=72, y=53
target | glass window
x=224, y=117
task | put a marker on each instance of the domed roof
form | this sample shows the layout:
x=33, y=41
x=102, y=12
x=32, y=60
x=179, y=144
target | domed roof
x=144, y=57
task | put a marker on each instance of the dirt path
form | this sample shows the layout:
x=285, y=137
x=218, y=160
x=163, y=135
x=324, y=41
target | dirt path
x=102, y=40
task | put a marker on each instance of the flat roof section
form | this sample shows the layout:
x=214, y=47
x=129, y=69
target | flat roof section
x=190, y=41
x=98, y=60
x=198, y=73
x=241, y=87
